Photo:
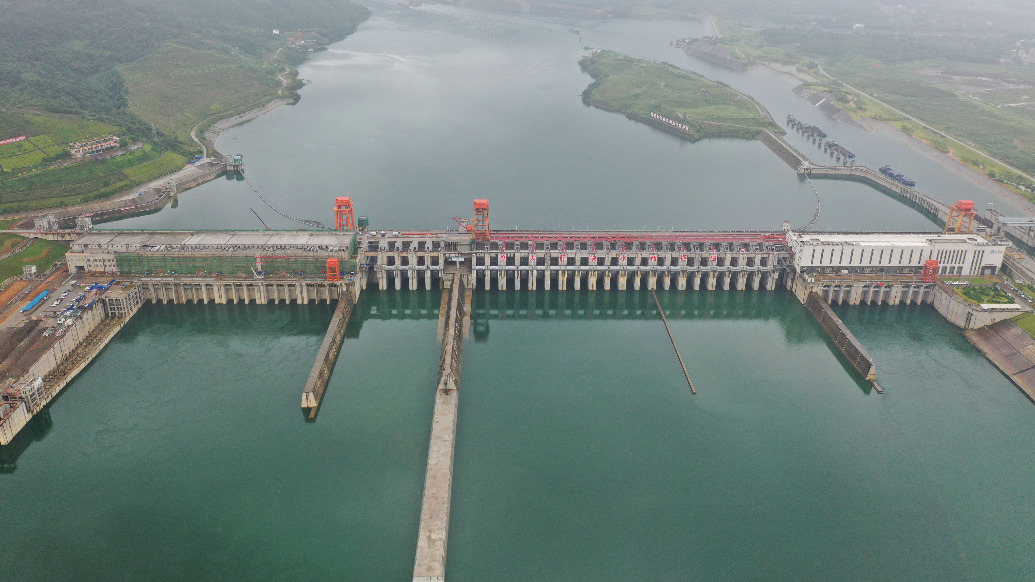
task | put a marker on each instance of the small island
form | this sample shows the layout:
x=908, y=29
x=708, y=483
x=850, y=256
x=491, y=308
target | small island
x=669, y=98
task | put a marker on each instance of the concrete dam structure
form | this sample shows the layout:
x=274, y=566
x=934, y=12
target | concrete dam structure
x=337, y=265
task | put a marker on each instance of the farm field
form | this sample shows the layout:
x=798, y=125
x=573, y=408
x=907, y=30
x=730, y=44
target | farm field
x=88, y=180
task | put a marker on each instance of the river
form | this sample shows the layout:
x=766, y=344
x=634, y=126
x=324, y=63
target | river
x=181, y=451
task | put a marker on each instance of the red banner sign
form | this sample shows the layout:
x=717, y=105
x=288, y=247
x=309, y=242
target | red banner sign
x=13, y=139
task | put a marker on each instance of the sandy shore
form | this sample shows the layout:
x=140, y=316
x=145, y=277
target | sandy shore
x=222, y=125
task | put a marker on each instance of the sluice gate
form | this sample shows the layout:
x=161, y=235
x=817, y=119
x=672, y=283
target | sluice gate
x=566, y=260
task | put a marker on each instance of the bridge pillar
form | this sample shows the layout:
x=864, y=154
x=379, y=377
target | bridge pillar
x=697, y=281
x=517, y=277
x=623, y=279
x=501, y=278
x=591, y=280
x=382, y=278
x=712, y=280
x=562, y=279
x=533, y=279
x=727, y=278
x=756, y=278
x=636, y=280
x=681, y=281
x=652, y=280
x=742, y=278
x=666, y=281
x=577, y=280
x=547, y=277
x=771, y=280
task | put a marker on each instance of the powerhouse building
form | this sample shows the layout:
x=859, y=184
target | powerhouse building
x=894, y=253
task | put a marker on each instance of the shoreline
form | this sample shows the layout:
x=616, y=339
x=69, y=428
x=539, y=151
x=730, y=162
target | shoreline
x=947, y=161
x=211, y=133
x=209, y=136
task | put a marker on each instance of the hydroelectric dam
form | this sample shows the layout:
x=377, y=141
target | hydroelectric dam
x=133, y=267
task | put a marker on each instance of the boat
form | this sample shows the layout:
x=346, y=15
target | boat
x=897, y=176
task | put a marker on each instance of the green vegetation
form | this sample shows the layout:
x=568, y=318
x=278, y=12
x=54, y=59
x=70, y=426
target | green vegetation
x=980, y=294
x=1026, y=321
x=64, y=55
x=638, y=88
x=42, y=253
x=9, y=241
x=950, y=81
x=144, y=71
x=177, y=86
x=87, y=180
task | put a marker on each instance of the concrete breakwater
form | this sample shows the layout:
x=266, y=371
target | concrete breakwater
x=783, y=150
x=937, y=211
x=1011, y=349
x=315, y=386
x=842, y=337
x=430, y=561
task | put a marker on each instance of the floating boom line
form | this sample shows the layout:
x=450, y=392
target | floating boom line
x=819, y=205
x=307, y=222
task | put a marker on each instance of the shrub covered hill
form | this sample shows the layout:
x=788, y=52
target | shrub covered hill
x=63, y=55
x=144, y=70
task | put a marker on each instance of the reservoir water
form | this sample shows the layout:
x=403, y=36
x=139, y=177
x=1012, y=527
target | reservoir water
x=181, y=452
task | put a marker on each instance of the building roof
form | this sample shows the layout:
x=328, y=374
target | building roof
x=889, y=239
x=221, y=242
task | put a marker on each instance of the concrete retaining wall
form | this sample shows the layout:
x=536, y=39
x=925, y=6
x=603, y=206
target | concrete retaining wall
x=843, y=338
x=964, y=314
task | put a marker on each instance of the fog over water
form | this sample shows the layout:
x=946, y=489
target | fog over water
x=424, y=109
x=180, y=452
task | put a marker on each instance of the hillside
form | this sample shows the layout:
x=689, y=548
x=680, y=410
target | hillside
x=688, y=104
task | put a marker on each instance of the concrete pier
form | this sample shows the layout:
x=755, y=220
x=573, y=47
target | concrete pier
x=316, y=385
x=430, y=562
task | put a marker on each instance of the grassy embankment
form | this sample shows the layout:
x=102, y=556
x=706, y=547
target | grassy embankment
x=179, y=86
x=42, y=253
x=1026, y=321
x=992, y=128
x=638, y=88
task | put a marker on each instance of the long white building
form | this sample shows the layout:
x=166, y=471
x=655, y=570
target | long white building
x=894, y=253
